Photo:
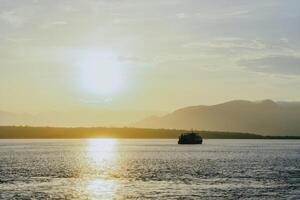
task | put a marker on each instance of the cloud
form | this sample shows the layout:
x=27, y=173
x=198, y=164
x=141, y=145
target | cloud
x=181, y=15
x=276, y=64
x=239, y=13
x=11, y=18
x=228, y=43
x=54, y=24
x=17, y=40
x=59, y=23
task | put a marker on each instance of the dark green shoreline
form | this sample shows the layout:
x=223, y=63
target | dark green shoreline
x=26, y=132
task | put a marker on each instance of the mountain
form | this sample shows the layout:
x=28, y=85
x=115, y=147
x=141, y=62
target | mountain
x=264, y=117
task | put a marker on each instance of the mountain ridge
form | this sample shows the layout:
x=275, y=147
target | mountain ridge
x=266, y=117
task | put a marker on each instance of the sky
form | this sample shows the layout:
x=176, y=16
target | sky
x=140, y=55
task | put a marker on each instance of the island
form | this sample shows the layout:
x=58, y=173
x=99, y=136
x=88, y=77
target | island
x=190, y=138
x=29, y=132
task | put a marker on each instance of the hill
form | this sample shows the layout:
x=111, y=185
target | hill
x=265, y=117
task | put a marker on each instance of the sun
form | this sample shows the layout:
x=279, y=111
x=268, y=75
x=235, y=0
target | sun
x=101, y=73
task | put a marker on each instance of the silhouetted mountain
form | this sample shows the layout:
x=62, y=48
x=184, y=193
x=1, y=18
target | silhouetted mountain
x=264, y=117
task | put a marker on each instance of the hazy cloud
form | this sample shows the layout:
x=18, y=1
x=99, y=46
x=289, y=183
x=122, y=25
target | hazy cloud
x=228, y=43
x=59, y=23
x=239, y=13
x=11, y=18
x=280, y=64
x=159, y=42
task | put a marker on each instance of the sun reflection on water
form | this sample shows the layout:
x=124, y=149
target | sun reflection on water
x=102, y=151
x=102, y=156
x=102, y=189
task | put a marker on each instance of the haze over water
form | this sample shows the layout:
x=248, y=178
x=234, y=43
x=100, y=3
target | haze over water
x=149, y=169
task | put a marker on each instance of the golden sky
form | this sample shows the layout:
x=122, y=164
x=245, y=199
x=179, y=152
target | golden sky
x=139, y=55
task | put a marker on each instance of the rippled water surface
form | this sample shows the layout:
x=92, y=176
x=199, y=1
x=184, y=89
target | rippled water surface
x=149, y=169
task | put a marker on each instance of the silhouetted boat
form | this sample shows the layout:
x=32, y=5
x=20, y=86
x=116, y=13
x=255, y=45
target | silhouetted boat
x=190, y=138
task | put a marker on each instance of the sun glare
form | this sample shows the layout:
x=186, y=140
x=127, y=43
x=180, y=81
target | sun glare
x=101, y=151
x=102, y=188
x=99, y=143
x=101, y=73
x=102, y=156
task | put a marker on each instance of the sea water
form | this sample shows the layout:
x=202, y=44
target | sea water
x=149, y=169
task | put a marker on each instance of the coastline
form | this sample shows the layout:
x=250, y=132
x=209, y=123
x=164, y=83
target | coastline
x=27, y=132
